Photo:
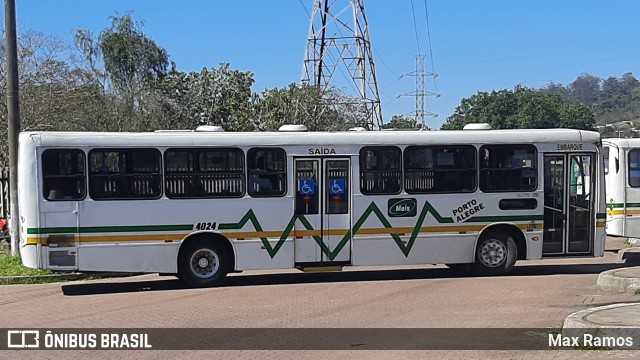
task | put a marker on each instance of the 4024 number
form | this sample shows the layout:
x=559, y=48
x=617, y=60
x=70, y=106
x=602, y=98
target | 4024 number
x=206, y=226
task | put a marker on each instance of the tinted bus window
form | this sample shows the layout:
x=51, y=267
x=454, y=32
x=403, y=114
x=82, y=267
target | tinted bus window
x=122, y=174
x=439, y=169
x=204, y=173
x=267, y=172
x=63, y=174
x=634, y=168
x=508, y=168
x=380, y=170
x=605, y=157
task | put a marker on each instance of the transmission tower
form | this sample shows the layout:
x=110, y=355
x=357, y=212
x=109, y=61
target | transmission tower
x=421, y=92
x=339, y=42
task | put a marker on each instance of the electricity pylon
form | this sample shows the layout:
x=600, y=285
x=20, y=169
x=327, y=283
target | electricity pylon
x=421, y=92
x=339, y=42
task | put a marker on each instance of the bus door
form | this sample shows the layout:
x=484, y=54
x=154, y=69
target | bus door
x=322, y=208
x=61, y=235
x=569, y=183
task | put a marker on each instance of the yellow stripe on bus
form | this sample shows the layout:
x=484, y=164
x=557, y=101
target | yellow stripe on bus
x=42, y=240
x=114, y=238
x=623, y=212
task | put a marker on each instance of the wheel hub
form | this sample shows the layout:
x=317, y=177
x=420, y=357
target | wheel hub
x=492, y=253
x=204, y=263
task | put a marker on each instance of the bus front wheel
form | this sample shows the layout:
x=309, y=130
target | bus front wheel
x=203, y=263
x=496, y=254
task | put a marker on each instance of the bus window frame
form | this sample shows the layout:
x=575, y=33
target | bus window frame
x=84, y=175
x=120, y=175
x=196, y=153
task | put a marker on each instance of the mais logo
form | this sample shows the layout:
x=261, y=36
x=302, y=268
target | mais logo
x=402, y=207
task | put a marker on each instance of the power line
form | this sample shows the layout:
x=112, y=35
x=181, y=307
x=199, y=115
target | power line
x=433, y=69
x=305, y=8
x=426, y=14
x=415, y=26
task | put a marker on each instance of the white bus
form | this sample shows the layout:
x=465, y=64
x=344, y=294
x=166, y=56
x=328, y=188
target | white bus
x=622, y=174
x=202, y=204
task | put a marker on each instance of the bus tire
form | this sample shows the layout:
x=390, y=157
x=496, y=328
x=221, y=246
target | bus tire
x=203, y=263
x=496, y=254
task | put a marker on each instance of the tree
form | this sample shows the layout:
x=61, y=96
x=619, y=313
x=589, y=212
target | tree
x=586, y=89
x=212, y=96
x=133, y=64
x=400, y=122
x=520, y=108
x=302, y=104
x=54, y=93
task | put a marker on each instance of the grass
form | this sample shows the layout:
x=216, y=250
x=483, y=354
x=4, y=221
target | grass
x=12, y=266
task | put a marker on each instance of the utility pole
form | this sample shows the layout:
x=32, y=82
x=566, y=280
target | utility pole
x=13, y=118
x=339, y=42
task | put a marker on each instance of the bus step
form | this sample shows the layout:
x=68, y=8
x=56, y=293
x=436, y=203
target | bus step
x=321, y=268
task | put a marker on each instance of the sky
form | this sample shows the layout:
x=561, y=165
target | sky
x=471, y=45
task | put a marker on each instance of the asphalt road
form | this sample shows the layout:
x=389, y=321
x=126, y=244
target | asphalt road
x=538, y=294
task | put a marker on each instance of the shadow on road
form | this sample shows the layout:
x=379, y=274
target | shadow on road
x=334, y=277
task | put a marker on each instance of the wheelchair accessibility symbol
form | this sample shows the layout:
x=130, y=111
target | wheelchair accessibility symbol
x=336, y=187
x=307, y=187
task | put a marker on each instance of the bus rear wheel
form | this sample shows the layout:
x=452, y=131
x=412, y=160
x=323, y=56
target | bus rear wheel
x=203, y=263
x=496, y=254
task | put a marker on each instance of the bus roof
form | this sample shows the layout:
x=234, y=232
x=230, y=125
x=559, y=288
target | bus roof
x=623, y=143
x=233, y=139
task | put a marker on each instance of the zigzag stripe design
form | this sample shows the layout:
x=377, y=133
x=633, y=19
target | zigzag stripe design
x=331, y=254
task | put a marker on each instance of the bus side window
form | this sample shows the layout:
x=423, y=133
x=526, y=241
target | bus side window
x=267, y=172
x=204, y=173
x=63, y=174
x=508, y=168
x=380, y=170
x=124, y=174
x=605, y=157
x=634, y=167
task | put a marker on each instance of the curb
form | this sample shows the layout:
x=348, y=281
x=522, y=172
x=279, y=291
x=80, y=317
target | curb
x=616, y=321
x=634, y=241
x=8, y=280
x=624, y=280
x=629, y=255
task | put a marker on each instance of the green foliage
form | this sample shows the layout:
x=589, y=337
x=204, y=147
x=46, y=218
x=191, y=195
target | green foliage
x=299, y=104
x=130, y=58
x=212, y=96
x=121, y=80
x=612, y=99
x=520, y=108
x=400, y=122
x=12, y=266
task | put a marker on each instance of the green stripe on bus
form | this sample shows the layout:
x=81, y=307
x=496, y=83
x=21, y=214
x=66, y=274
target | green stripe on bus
x=621, y=205
x=506, y=218
x=108, y=229
x=601, y=216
